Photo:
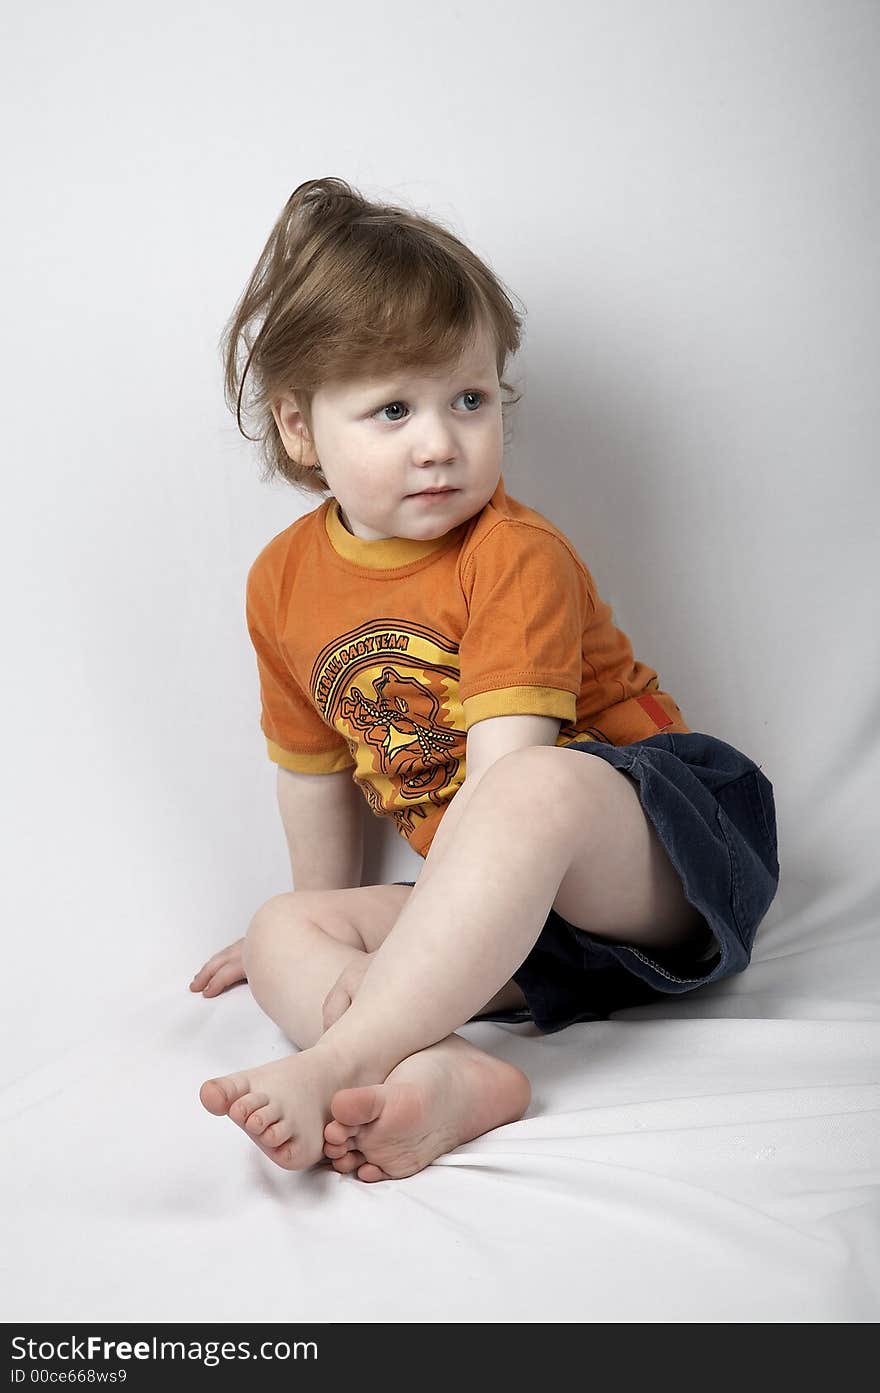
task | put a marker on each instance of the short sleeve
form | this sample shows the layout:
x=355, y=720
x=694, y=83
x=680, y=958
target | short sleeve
x=529, y=600
x=297, y=737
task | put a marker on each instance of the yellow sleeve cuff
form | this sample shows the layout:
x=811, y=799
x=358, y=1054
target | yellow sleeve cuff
x=519, y=701
x=324, y=762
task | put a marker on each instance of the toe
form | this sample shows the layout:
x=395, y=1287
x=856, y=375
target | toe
x=278, y=1132
x=343, y=1149
x=348, y=1163
x=286, y=1156
x=354, y=1107
x=337, y=1133
x=242, y=1108
x=262, y=1118
x=218, y=1095
x=370, y=1173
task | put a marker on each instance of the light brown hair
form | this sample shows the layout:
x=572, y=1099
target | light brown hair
x=344, y=289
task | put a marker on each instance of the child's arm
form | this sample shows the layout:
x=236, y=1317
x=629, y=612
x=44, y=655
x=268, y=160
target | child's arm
x=323, y=823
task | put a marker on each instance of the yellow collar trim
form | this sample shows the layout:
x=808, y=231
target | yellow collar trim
x=384, y=555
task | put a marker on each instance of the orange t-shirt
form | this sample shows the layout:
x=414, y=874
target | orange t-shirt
x=379, y=656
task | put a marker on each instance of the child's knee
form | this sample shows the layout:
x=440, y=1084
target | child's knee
x=279, y=928
x=277, y=918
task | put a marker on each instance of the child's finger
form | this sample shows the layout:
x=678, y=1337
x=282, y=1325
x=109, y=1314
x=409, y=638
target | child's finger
x=219, y=960
x=224, y=977
x=204, y=974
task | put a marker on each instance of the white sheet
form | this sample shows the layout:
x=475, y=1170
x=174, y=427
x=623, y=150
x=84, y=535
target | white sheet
x=717, y=1159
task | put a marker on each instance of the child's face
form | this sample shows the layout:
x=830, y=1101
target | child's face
x=382, y=440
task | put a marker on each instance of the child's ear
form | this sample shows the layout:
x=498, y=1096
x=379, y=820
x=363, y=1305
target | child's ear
x=293, y=430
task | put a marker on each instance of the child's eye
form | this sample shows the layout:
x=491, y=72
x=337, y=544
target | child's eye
x=391, y=404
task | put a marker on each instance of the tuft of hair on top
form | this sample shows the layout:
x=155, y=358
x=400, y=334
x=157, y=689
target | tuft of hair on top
x=345, y=288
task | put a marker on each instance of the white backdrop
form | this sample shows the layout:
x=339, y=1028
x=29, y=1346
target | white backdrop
x=684, y=196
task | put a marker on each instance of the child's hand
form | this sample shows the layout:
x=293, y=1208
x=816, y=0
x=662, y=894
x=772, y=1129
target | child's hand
x=222, y=971
x=345, y=988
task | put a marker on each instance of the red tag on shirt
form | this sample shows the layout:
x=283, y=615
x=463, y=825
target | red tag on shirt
x=660, y=717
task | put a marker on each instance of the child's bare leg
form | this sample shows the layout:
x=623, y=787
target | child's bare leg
x=431, y=1103
x=294, y=953
x=467, y=925
x=472, y=917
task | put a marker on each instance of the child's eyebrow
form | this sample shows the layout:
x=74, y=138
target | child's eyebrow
x=477, y=377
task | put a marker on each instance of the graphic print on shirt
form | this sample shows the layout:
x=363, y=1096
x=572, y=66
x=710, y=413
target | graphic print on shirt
x=390, y=687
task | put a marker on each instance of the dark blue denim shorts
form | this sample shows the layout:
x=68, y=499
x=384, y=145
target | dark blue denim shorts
x=714, y=812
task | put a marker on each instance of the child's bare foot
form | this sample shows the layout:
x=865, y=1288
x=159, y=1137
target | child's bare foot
x=431, y=1103
x=282, y=1105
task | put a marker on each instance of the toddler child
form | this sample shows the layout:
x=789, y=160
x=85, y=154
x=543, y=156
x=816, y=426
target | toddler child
x=429, y=642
